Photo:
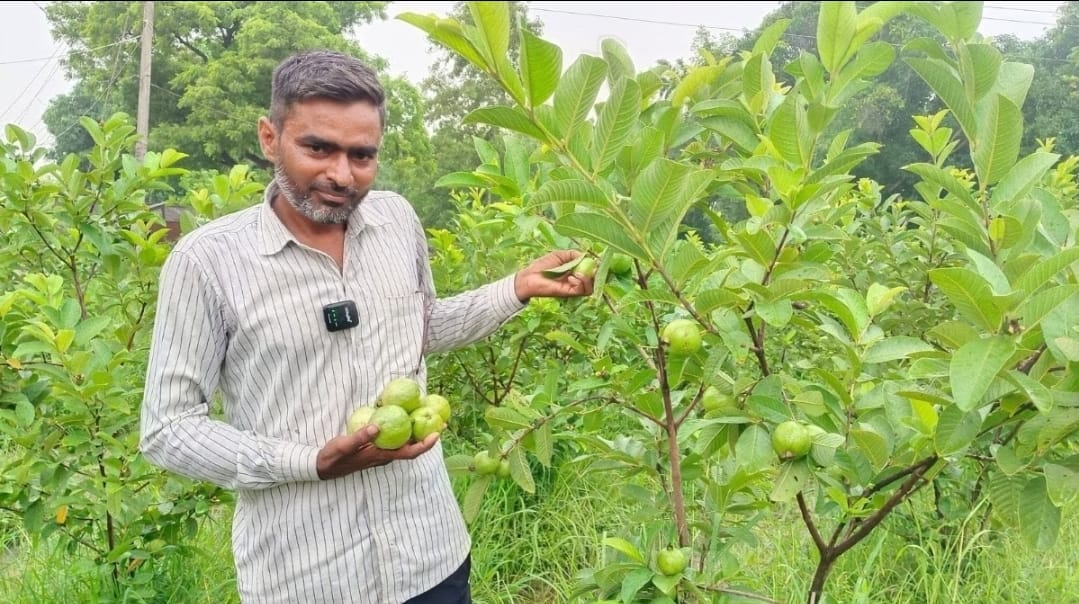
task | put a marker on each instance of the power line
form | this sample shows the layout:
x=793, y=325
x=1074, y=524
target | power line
x=30, y=84
x=70, y=54
x=1021, y=9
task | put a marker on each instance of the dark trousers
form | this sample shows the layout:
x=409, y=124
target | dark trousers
x=454, y=590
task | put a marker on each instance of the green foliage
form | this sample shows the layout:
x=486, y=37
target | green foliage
x=79, y=267
x=926, y=342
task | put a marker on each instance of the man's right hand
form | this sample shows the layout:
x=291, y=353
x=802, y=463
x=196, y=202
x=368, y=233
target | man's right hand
x=347, y=454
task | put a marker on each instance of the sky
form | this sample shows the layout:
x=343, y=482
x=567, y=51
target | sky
x=31, y=72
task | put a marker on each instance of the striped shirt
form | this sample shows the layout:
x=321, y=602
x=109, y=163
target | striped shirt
x=240, y=313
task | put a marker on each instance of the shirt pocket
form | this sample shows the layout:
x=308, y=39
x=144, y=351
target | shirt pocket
x=398, y=333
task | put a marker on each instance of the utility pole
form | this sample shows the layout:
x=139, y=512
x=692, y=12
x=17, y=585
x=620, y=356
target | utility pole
x=142, y=117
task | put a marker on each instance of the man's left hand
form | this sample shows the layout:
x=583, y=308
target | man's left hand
x=531, y=283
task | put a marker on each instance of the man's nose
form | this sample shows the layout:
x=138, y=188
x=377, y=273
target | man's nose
x=340, y=172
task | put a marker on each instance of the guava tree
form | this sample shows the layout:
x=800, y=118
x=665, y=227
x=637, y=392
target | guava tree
x=78, y=280
x=911, y=342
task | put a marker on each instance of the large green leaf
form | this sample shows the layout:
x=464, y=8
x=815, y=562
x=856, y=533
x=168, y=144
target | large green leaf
x=956, y=430
x=731, y=120
x=1000, y=131
x=571, y=191
x=1014, y=81
x=789, y=130
x=1043, y=272
x=835, y=30
x=793, y=476
x=1061, y=329
x=1039, y=395
x=509, y=118
x=895, y=348
x=493, y=23
x=945, y=82
x=848, y=305
x=970, y=294
x=520, y=471
x=754, y=449
x=697, y=78
x=602, y=228
x=1022, y=177
x=1039, y=519
x=975, y=366
x=1062, y=482
x=448, y=33
x=1004, y=493
x=615, y=123
x=874, y=446
x=576, y=92
x=619, y=63
x=979, y=65
x=541, y=65
x=663, y=192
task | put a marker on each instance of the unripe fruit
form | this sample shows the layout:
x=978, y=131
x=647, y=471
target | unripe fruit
x=504, y=468
x=620, y=264
x=682, y=337
x=791, y=440
x=403, y=392
x=485, y=464
x=394, y=427
x=586, y=267
x=438, y=403
x=714, y=400
x=359, y=418
x=671, y=561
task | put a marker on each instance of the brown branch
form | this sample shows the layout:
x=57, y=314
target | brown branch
x=758, y=346
x=472, y=380
x=870, y=523
x=807, y=517
x=191, y=47
x=740, y=593
x=1030, y=361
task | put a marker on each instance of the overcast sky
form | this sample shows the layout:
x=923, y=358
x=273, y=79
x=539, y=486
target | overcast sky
x=31, y=72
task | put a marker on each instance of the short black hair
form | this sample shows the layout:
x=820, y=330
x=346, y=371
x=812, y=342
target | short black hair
x=324, y=74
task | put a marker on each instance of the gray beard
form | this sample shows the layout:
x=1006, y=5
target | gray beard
x=304, y=205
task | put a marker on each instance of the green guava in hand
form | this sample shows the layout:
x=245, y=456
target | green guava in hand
x=402, y=392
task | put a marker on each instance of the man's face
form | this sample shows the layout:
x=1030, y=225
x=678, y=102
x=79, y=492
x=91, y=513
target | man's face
x=325, y=156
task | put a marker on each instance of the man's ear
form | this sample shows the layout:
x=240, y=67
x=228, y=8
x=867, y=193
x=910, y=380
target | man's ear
x=268, y=136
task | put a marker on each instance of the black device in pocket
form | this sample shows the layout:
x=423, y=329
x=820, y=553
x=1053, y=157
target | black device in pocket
x=341, y=315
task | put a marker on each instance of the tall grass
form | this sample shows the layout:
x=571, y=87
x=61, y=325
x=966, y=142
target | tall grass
x=528, y=549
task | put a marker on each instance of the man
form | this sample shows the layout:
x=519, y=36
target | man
x=296, y=311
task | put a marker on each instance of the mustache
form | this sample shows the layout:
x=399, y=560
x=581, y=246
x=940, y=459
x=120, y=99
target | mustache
x=333, y=189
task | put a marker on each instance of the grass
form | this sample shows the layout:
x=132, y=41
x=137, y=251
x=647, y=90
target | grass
x=528, y=549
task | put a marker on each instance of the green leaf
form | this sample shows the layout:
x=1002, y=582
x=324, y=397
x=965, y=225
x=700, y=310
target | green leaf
x=571, y=191
x=576, y=92
x=544, y=445
x=633, y=583
x=935, y=175
x=615, y=124
x=1038, y=393
x=625, y=547
x=895, y=348
x=520, y=471
x=1059, y=327
x=970, y=294
x=697, y=78
x=1004, y=494
x=459, y=464
x=1039, y=519
x=601, y=228
x=1042, y=272
x=789, y=131
x=506, y=418
x=988, y=270
x=875, y=448
x=509, y=118
x=1024, y=176
x=975, y=366
x=446, y=32
x=793, y=476
x=946, y=84
x=835, y=30
x=956, y=430
x=663, y=194
x=541, y=66
x=1000, y=131
x=462, y=180
x=849, y=306
x=754, y=449
x=1062, y=483
x=767, y=39
x=493, y=23
x=879, y=297
x=619, y=63
x=473, y=499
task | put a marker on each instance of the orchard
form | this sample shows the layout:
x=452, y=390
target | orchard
x=770, y=336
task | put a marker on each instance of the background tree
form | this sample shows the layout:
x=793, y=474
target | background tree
x=212, y=68
x=1052, y=107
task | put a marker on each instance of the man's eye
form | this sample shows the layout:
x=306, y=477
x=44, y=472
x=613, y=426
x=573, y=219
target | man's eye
x=317, y=148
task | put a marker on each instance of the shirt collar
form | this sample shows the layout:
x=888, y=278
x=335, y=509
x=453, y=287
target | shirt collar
x=273, y=235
